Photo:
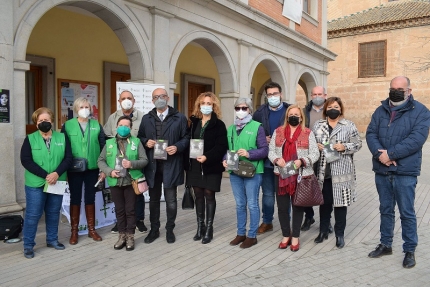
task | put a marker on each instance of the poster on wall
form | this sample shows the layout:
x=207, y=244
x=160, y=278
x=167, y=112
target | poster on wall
x=142, y=94
x=69, y=91
x=4, y=106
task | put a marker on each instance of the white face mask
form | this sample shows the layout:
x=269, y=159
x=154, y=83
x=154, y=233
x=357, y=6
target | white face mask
x=241, y=114
x=126, y=104
x=84, y=113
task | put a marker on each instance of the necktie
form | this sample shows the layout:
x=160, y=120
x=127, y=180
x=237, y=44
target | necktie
x=161, y=117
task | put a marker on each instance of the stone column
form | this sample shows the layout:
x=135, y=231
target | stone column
x=227, y=107
x=9, y=146
x=244, y=85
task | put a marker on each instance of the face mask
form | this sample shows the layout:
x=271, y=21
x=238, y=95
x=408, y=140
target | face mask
x=206, y=110
x=126, y=104
x=318, y=101
x=44, y=127
x=123, y=131
x=397, y=96
x=274, y=101
x=293, y=120
x=333, y=114
x=160, y=103
x=241, y=114
x=84, y=113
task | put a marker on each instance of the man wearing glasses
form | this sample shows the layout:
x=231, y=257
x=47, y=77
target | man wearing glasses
x=126, y=101
x=166, y=123
x=395, y=137
x=271, y=116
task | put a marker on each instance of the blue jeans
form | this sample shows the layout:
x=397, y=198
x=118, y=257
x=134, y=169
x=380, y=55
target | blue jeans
x=245, y=191
x=398, y=189
x=268, y=189
x=37, y=202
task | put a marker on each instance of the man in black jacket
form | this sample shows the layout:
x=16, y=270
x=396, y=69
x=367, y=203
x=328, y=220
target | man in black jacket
x=166, y=123
x=271, y=115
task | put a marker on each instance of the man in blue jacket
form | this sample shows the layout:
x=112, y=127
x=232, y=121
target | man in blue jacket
x=166, y=123
x=271, y=116
x=395, y=136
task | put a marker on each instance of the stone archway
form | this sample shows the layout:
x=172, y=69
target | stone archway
x=305, y=82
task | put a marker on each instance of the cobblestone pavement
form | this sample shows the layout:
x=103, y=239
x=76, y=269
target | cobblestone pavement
x=189, y=263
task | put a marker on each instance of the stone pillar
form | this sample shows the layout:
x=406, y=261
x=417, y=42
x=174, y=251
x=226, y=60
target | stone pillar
x=227, y=107
x=161, y=49
x=291, y=82
x=244, y=85
x=8, y=143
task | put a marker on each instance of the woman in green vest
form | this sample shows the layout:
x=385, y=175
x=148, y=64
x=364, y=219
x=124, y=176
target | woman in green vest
x=123, y=159
x=247, y=138
x=87, y=139
x=46, y=155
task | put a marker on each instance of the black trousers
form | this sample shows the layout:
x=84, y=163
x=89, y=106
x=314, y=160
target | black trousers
x=125, y=202
x=284, y=203
x=154, y=203
x=140, y=207
x=327, y=208
x=89, y=178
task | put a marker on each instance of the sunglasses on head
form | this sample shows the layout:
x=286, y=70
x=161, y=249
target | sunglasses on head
x=240, y=108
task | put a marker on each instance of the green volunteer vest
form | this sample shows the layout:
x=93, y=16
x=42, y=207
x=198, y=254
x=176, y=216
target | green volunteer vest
x=79, y=142
x=131, y=152
x=246, y=140
x=48, y=160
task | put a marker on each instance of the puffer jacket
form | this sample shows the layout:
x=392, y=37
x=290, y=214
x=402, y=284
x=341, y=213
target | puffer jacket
x=403, y=137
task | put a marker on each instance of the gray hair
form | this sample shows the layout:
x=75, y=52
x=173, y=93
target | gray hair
x=246, y=101
x=78, y=102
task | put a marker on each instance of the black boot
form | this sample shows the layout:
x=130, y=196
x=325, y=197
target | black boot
x=201, y=227
x=210, y=214
x=320, y=238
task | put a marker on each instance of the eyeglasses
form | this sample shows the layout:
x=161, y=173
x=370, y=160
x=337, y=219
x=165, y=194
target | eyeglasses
x=240, y=108
x=159, y=96
x=273, y=94
x=398, y=90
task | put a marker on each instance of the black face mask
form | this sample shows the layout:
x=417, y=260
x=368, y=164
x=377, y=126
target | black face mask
x=333, y=114
x=396, y=96
x=44, y=127
x=293, y=120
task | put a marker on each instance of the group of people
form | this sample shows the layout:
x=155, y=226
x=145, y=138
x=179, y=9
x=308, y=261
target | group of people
x=265, y=141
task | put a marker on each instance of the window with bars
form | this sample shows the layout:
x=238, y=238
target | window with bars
x=372, y=59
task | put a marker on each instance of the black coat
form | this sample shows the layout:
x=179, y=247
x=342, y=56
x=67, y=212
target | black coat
x=175, y=131
x=215, y=144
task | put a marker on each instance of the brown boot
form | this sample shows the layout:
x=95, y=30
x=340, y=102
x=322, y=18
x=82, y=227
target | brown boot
x=264, y=228
x=238, y=239
x=121, y=241
x=129, y=238
x=90, y=212
x=75, y=210
x=248, y=242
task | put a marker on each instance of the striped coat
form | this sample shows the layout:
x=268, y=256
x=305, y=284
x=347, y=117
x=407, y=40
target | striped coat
x=343, y=170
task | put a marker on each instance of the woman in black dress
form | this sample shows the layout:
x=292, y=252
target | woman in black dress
x=204, y=173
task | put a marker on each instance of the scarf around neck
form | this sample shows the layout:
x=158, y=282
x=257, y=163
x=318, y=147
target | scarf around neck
x=240, y=123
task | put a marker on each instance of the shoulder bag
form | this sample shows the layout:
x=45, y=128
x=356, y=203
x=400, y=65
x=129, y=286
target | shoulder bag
x=80, y=164
x=308, y=192
x=245, y=168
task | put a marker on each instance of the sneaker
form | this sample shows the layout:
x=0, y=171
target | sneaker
x=141, y=226
x=114, y=229
x=28, y=253
x=57, y=245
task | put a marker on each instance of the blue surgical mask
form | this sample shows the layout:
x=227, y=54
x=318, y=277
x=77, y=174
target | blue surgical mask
x=274, y=101
x=123, y=131
x=206, y=110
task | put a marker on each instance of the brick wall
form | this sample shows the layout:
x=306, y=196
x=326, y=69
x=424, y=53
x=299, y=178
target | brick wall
x=273, y=9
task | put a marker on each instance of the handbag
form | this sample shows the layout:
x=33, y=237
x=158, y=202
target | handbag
x=139, y=186
x=245, y=169
x=308, y=191
x=10, y=226
x=80, y=164
x=188, y=199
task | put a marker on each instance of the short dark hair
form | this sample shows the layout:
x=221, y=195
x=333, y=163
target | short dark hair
x=272, y=85
x=125, y=118
x=331, y=100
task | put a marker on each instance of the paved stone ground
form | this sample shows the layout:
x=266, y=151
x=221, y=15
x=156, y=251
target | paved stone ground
x=189, y=263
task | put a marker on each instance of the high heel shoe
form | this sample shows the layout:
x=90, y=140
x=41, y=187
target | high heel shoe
x=283, y=245
x=321, y=237
x=340, y=241
x=296, y=247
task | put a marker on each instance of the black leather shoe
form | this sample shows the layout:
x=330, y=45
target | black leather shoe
x=307, y=224
x=321, y=237
x=340, y=241
x=153, y=234
x=409, y=260
x=381, y=250
x=330, y=229
x=28, y=253
x=57, y=245
x=170, y=236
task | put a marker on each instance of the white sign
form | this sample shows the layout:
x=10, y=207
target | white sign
x=60, y=187
x=293, y=10
x=142, y=94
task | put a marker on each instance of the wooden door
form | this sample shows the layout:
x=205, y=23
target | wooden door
x=194, y=90
x=34, y=95
x=115, y=77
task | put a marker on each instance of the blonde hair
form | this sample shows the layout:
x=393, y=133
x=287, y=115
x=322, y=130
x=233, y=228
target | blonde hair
x=40, y=111
x=215, y=104
x=302, y=123
x=80, y=101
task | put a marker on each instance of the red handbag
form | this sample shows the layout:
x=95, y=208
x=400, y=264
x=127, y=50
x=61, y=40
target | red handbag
x=308, y=191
